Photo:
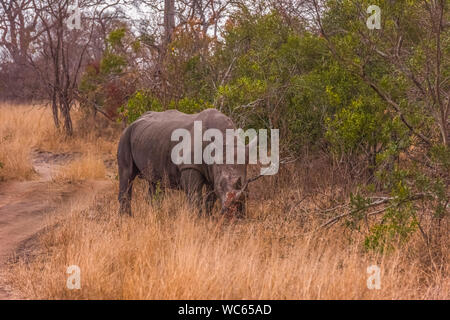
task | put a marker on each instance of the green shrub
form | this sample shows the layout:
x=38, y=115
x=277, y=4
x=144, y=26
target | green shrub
x=137, y=105
x=190, y=105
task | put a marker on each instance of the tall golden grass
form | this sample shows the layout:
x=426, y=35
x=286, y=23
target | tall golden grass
x=22, y=127
x=168, y=251
x=88, y=167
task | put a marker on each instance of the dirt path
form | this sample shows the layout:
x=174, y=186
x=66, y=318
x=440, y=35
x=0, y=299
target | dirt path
x=24, y=204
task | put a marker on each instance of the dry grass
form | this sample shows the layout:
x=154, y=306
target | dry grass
x=88, y=167
x=166, y=251
x=24, y=128
x=21, y=128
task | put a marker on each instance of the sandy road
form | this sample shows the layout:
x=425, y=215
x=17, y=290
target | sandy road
x=23, y=205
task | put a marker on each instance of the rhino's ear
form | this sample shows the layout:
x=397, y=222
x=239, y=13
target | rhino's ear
x=251, y=151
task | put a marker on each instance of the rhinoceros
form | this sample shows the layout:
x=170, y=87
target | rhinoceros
x=145, y=150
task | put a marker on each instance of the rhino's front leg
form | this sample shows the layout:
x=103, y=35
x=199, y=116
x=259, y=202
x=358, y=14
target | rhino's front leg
x=192, y=182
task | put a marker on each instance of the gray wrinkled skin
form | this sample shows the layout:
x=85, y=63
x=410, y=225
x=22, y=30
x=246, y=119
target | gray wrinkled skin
x=145, y=149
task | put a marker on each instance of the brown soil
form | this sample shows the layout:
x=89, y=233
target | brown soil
x=24, y=204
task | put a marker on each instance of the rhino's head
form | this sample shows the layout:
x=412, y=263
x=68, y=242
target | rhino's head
x=230, y=180
x=229, y=184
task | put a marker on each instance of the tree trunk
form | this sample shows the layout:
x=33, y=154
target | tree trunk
x=65, y=111
x=55, y=109
x=169, y=21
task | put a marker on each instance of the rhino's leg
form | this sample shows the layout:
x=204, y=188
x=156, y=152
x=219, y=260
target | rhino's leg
x=127, y=173
x=210, y=199
x=151, y=189
x=152, y=186
x=242, y=207
x=126, y=179
x=192, y=183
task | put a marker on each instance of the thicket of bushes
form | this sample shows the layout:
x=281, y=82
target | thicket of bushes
x=341, y=89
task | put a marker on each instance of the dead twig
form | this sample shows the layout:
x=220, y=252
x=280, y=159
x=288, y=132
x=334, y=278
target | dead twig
x=382, y=200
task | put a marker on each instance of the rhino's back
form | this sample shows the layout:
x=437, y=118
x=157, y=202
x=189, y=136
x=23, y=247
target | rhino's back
x=151, y=143
x=174, y=119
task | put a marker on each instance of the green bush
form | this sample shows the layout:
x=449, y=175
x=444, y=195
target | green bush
x=143, y=101
x=190, y=105
x=137, y=105
x=106, y=84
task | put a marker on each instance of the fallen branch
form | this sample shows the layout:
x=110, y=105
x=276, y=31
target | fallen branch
x=297, y=203
x=382, y=200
